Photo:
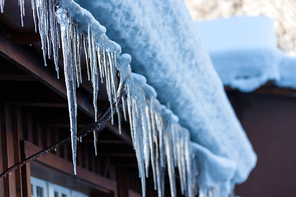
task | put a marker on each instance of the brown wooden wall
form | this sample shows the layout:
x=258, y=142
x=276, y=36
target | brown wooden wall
x=42, y=128
x=23, y=123
x=270, y=123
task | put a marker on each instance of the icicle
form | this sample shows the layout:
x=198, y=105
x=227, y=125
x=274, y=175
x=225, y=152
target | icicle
x=111, y=84
x=112, y=64
x=150, y=135
x=183, y=162
x=114, y=86
x=111, y=69
x=169, y=154
x=75, y=51
x=114, y=74
x=153, y=140
x=53, y=35
x=139, y=154
x=129, y=109
x=93, y=68
x=70, y=81
x=159, y=126
x=124, y=108
x=86, y=57
x=158, y=176
x=108, y=83
x=188, y=160
x=140, y=104
x=95, y=142
x=2, y=4
x=78, y=38
x=137, y=138
x=42, y=14
x=89, y=47
x=33, y=6
x=119, y=113
x=179, y=163
x=48, y=27
x=135, y=116
x=119, y=120
x=176, y=147
x=21, y=3
x=100, y=64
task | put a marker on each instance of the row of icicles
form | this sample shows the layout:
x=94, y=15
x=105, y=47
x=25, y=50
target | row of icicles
x=157, y=137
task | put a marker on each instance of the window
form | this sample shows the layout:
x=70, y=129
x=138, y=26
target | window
x=38, y=188
x=41, y=188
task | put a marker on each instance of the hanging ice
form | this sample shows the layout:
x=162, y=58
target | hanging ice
x=69, y=79
x=2, y=3
x=21, y=3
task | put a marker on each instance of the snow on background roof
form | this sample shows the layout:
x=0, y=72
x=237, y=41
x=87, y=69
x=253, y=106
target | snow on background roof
x=245, y=52
x=165, y=47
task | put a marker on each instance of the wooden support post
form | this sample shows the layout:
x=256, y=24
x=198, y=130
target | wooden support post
x=17, y=136
x=10, y=180
x=26, y=173
x=2, y=148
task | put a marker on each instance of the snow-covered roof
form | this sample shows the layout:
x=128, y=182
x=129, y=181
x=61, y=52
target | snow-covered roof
x=165, y=47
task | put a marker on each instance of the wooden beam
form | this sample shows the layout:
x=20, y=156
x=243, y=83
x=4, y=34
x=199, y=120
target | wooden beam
x=7, y=77
x=105, y=141
x=28, y=104
x=276, y=91
x=132, y=193
x=269, y=89
x=25, y=58
x=80, y=126
x=132, y=165
x=118, y=154
x=60, y=165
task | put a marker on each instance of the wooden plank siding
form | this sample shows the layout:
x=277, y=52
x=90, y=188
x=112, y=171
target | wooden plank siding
x=12, y=150
x=22, y=124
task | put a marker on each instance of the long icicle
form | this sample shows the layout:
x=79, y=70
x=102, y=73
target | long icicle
x=70, y=81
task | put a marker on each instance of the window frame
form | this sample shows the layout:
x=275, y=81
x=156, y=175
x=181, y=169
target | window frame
x=59, y=171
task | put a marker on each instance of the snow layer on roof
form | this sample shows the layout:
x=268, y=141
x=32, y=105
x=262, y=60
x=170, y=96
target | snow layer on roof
x=243, y=50
x=287, y=69
x=215, y=172
x=247, y=69
x=165, y=47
